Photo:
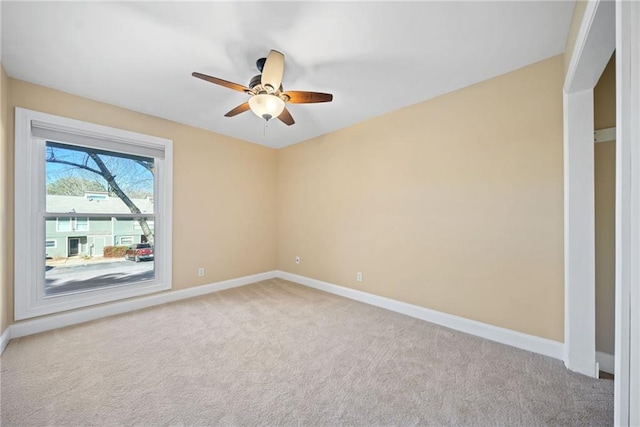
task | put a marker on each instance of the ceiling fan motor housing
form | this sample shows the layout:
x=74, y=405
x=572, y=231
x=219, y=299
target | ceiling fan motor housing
x=255, y=81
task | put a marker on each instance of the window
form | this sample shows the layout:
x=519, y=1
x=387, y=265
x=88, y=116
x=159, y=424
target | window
x=82, y=224
x=66, y=166
x=63, y=224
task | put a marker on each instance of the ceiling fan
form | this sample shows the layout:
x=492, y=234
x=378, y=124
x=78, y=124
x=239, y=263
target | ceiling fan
x=267, y=95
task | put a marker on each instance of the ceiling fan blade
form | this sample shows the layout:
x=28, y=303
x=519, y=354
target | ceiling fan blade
x=230, y=85
x=273, y=70
x=239, y=109
x=300, y=97
x=285, y=117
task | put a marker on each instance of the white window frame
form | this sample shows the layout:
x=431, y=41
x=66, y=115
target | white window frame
x=55, y=243
x=121, y=238
x=30, y=199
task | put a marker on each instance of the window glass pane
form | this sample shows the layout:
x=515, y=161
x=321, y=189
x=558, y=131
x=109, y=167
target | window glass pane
x=106, y=256
x=95, y=252
x=82, y=224
x=88, y=180
x=64, y=224
x=138, y=225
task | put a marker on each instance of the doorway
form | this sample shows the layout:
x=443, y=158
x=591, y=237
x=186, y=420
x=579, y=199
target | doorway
x=604, y=105
x=605, y=26
x=74, y=246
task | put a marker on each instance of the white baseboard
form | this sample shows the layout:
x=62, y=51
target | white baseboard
x=494, y=333
x=34, y=326
x=606, y=361
x=4, y=339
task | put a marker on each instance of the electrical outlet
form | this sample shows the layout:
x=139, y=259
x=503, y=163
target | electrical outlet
x=297, y=260
x=201, y=272
x=359, y=276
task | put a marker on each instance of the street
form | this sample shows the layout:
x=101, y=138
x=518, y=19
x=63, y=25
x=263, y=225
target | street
x=73, y=278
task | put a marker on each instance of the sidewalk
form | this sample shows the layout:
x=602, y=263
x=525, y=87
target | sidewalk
x=78, y=260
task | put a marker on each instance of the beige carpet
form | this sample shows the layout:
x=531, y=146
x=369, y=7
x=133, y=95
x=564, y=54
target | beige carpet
x=276, y=353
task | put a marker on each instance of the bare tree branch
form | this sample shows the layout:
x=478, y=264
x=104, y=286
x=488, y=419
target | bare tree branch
x=147, y=165
x=52, y=159
x=111, y=180
x=105, y=173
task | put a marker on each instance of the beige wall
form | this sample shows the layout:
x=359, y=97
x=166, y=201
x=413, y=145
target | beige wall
x=6, y=216
x=578, y=15
x=454, y=204
x=224, y=189
x=604, y=97
x=604, y=100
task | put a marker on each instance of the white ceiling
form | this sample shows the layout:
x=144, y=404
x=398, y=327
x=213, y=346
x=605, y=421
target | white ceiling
x=374, y=57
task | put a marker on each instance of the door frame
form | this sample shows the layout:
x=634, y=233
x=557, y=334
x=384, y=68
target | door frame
x=627, y=350
x=605, y=25
x=594, y=45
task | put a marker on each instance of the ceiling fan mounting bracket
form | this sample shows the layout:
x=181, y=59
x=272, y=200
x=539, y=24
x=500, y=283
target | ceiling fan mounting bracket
x=260, y=64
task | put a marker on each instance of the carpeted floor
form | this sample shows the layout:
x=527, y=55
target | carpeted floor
x=276, y=353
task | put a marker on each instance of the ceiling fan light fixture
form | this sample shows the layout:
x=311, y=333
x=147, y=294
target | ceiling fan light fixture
x=266, y=106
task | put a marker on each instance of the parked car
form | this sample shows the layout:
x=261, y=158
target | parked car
x=139, y=252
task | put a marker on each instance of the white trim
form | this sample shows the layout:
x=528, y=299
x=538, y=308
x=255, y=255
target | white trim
x=87, y=134
x=604, y=135
x=34, y=326
x=579, y=234
x=4, y=339
x=593, y=48
x=520, y=340
x=606, y=362
x=29, y=299
x=627, y=351
x=580, y=42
